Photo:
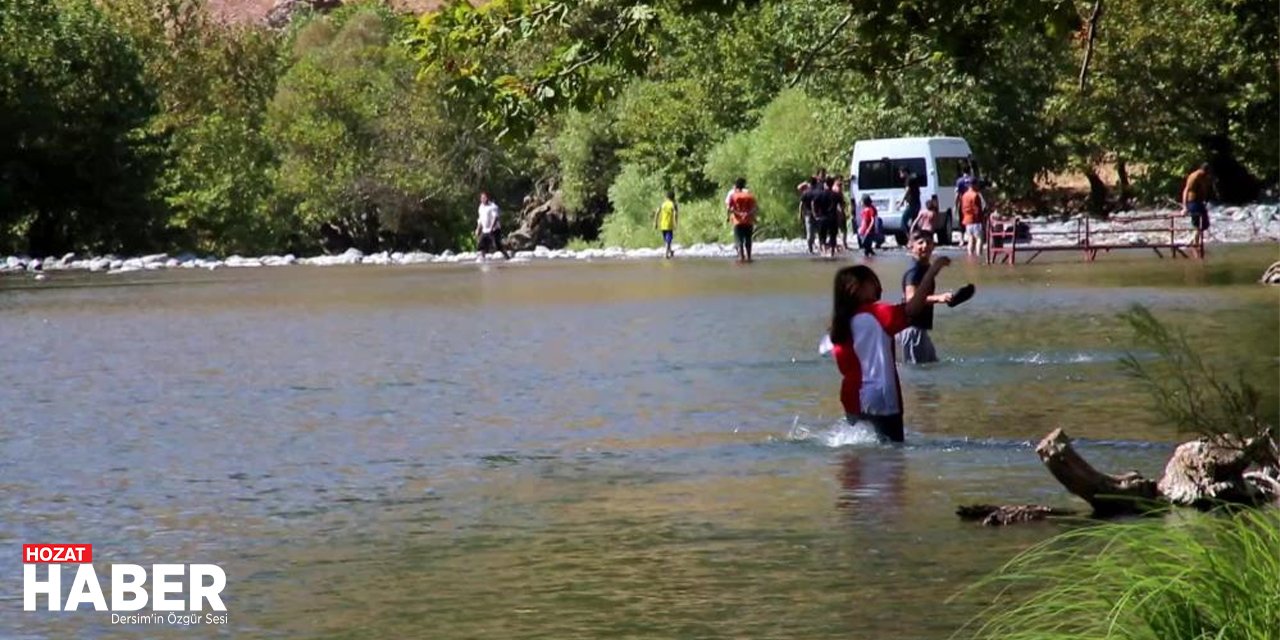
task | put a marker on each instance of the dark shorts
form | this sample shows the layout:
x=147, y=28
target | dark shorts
x=667, y=235
x=489, y=242
x=827, y=231
x=917, y=347
x=742, y=234
x=888, y=428
x=1199, y=214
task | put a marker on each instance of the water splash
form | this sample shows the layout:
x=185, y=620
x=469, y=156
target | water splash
x=840, y=434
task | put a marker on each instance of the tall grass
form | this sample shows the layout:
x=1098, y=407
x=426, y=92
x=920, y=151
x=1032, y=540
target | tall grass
x=1190, y=394
x=1190, y=576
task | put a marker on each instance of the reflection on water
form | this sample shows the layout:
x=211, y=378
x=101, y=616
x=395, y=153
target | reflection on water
x=649, y=449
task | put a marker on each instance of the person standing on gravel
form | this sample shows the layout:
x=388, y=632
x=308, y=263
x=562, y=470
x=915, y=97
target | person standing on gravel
x=488, y=232
x=741, y=205
x=1195, y=199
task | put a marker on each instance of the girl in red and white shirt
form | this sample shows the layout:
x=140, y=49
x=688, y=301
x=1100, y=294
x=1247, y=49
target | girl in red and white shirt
x=862, y=337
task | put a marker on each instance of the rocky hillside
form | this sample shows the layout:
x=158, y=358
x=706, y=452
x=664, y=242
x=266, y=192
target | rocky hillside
x=259, y=10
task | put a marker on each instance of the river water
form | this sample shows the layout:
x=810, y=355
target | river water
x=546, y=450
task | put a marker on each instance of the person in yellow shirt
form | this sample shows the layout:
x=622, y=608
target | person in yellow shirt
x=664, y=220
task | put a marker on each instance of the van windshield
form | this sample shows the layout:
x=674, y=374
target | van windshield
x=883, y=173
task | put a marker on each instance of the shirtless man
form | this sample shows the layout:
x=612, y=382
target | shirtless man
x=1195, y=199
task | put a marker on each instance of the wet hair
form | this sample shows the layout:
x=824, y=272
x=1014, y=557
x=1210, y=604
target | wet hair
x=843, y=302
x=671, y=194
x=921, y=234
x=740, y=183
x=866, y=200
x=1205, y=166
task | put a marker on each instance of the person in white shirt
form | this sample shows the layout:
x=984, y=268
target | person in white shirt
x=488, y=228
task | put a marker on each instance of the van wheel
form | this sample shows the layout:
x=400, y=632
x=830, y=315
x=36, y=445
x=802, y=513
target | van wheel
x=901, y=238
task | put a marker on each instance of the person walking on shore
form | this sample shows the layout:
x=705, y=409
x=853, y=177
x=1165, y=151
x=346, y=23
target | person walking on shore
x=1195, y=200
x=742, y=214
x=842, y=215
x=910, y=197
x=488, y=234
x=809, y=191
x=826, y=213
x=664, y=219
x=972, y=215
x=867, y=221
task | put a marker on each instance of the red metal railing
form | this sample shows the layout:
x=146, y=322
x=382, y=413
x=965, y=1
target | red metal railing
x=1004, y=245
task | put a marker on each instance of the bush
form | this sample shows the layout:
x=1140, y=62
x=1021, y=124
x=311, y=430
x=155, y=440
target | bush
x=796, y=134
x=703, y=221
x=585, y=149
x=634, y=195
x=1192, y=576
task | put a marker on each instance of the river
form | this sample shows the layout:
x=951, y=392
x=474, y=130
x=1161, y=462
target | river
x=609, y=450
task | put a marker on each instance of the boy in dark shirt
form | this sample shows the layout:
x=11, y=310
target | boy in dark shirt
x=917, y=347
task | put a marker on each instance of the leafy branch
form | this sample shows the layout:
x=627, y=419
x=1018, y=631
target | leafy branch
x=1189, y=393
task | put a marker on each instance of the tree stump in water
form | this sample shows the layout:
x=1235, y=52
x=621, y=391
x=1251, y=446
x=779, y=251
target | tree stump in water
x=1108, y=495
x=1202, y=473
x=1272, y=274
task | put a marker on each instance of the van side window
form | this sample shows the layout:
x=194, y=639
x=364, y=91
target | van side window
x=883, y=173
x=949, y=170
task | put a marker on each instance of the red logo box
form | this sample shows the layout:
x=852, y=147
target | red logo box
x=57, y=553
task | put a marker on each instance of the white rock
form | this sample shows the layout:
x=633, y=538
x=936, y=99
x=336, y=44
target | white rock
x=416, y=257
x=171, y=263
x=155, y=257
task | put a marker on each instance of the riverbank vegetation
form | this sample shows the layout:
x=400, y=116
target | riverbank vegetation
x=1211, y=572
x=138, y=125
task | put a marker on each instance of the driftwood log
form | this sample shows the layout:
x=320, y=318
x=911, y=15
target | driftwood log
x=1200, y=474
x=1272, y=274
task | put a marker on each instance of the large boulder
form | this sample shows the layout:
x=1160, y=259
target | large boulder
x=541, y=222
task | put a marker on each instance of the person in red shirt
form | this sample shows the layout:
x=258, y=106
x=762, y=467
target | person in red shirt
x=742, y=213
x=867, y=227
x=973, y=214
x=862, y=341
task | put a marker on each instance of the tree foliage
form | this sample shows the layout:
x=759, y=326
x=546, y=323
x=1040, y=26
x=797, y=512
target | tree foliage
x=139, y=123
x=76, y=159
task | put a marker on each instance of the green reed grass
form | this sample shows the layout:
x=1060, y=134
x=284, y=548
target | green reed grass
x=1188, y=576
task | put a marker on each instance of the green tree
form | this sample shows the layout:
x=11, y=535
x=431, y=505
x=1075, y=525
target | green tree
x=1170, y=84
x=214, y=81
x=76, y=164
x=367, y=154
